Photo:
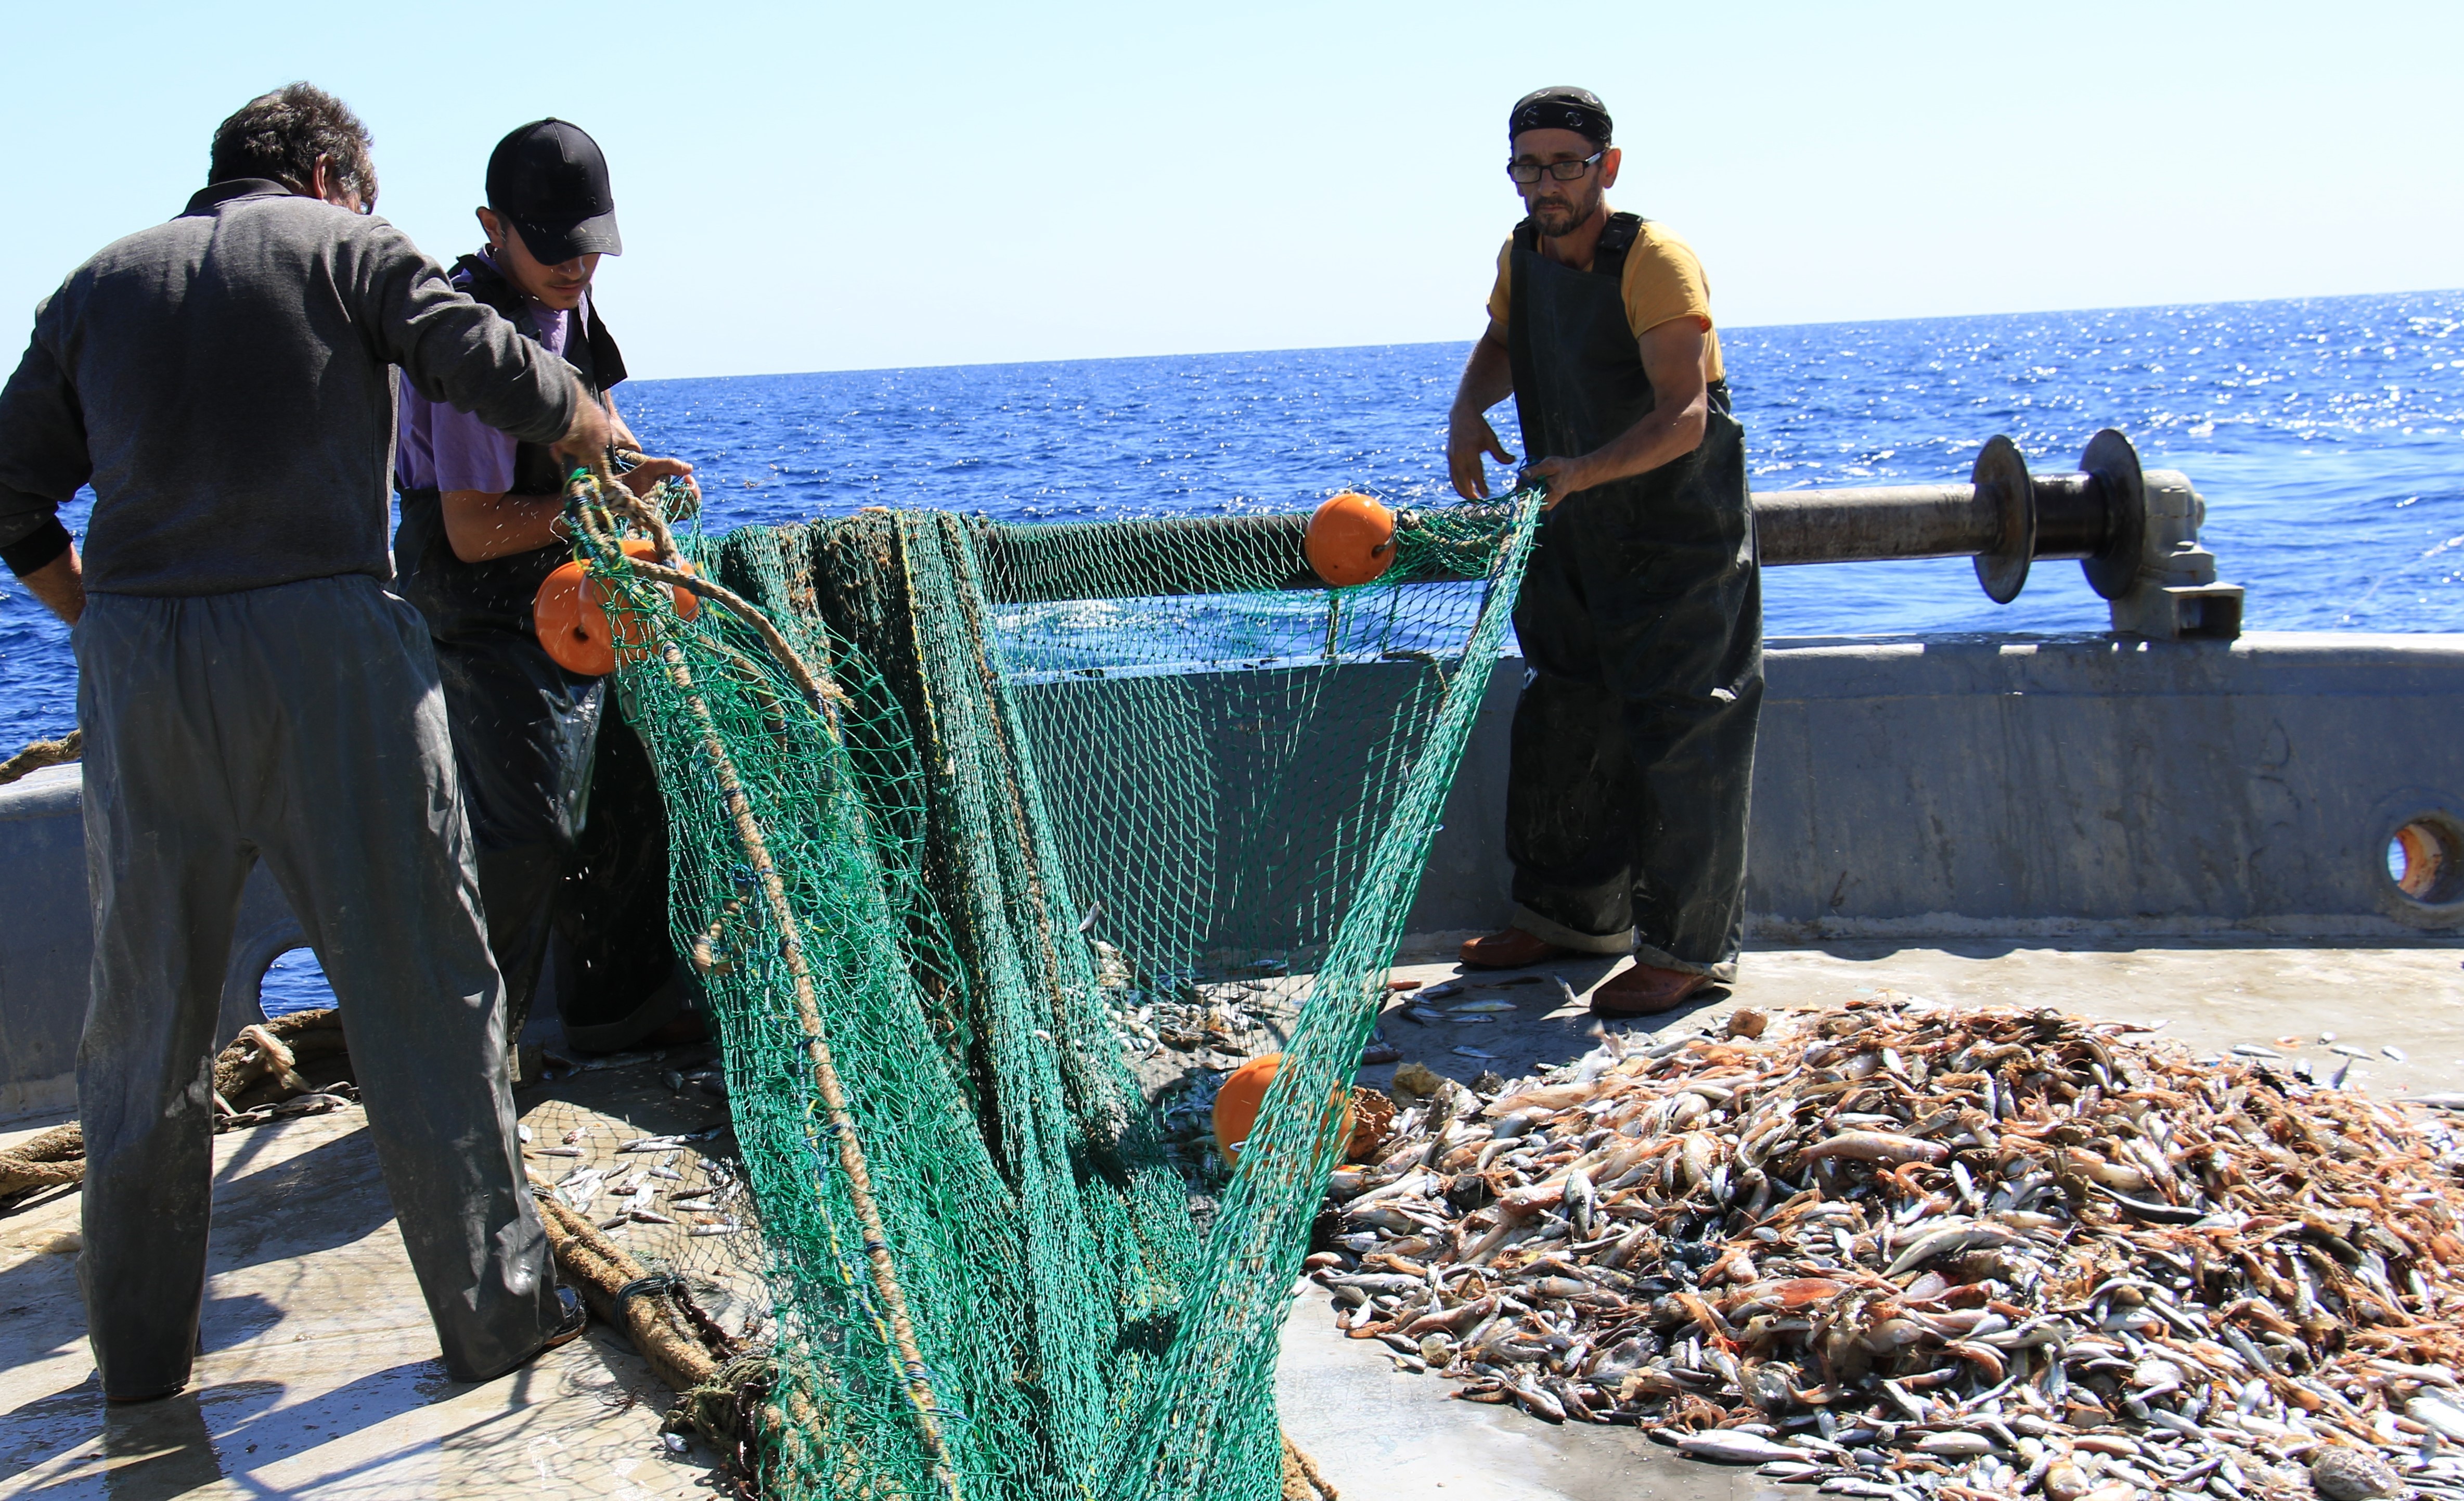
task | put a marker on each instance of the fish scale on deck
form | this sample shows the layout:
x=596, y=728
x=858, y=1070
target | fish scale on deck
x=1906, y=1250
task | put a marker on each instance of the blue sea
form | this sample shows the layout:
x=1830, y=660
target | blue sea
x=2327, y=435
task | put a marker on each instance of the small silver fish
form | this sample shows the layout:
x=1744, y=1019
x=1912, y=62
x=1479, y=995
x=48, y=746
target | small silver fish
x=652, y=1144
x=1728, y=1446
x=1944, y=1242
x=1877, y=1146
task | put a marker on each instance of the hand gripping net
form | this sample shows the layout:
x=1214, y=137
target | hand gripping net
x=948, y=800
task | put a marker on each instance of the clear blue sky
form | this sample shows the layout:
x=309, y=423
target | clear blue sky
x=820, y=187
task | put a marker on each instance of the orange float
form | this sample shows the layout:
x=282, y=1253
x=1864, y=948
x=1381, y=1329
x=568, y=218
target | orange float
x=1351, y=539
x=1236, y=1103
x=570, y=616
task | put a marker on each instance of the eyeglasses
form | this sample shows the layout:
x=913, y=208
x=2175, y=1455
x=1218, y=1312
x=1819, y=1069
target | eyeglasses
x=1528, y=172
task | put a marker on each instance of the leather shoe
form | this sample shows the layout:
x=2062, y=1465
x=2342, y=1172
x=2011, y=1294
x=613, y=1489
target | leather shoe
x=1512, y=949
x=573, y=1316
x=569, y=1328
x=1644, y=990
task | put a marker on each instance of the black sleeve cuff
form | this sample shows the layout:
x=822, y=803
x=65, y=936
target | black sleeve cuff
x=27, y=554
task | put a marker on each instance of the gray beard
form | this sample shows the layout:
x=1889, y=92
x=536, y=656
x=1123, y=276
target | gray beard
x=1554, y=223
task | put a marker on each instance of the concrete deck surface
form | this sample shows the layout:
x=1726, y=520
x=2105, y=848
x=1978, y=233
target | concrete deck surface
x=2213, y=996
x=320, y=1374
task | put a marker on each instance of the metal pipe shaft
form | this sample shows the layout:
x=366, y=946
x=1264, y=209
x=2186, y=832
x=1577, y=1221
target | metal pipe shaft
x=1886, y=522
x=1859, y=526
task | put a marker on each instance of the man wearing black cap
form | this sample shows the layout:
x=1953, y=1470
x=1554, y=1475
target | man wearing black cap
x=482, y=525
x=1641, y=617
x=249, y=689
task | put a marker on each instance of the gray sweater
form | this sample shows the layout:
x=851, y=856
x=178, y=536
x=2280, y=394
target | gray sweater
x=225, y=383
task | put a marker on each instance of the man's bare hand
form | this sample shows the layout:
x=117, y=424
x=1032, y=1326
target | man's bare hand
x=60, y=584
x=641, y=476
x=1562, y=476
x=1469, y=437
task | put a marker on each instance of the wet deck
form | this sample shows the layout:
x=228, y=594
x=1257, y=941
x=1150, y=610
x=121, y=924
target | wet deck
x=319, y=1378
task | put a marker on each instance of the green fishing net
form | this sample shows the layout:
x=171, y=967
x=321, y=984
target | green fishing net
x=1056, y=782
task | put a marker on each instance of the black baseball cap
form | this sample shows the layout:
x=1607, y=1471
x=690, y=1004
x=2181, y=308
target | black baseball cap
x=550, y=180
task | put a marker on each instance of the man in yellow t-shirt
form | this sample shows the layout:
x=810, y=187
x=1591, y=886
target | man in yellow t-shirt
x=1640, y=617
x=1662, y=281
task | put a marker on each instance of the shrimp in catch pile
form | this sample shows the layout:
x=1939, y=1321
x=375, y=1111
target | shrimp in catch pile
x=1904, y=1250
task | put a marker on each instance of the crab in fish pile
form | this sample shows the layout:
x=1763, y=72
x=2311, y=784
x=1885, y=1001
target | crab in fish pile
x=1901, y=1249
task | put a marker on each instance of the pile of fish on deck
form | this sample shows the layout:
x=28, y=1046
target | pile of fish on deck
x=1906, y=1250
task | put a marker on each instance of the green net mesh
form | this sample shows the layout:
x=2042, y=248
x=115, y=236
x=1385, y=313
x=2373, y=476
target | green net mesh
x=1070, y=793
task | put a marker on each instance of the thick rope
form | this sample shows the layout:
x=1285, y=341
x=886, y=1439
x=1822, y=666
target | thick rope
x=617, y=1288
x=260, y=1067
x=46, y=1160
x=588, y=494
x=41, y=754
x=1302, y=1481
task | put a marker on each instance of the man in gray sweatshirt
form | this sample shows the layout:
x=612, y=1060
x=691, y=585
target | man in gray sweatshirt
x=250, y=687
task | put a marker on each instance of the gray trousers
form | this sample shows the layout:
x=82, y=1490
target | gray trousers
x=303, y=724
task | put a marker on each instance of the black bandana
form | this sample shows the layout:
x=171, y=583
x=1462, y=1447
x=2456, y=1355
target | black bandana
x=1578, y=110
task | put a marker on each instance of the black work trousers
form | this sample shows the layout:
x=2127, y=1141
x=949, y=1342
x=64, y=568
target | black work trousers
x=524, y=730
x=1640, y=620
x=301, y=724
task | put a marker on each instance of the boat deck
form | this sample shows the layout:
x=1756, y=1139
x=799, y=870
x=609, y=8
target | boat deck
x=318, y=1376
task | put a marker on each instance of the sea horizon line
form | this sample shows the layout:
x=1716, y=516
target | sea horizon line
x=1465, y=344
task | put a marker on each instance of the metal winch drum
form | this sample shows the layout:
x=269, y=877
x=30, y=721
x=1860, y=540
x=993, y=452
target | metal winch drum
x=2135, y=532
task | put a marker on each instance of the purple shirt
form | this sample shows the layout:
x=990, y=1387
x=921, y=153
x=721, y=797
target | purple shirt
x=439, y=447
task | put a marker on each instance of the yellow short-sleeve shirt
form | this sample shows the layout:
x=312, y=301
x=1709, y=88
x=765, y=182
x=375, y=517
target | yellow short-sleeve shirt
x=1664, y=280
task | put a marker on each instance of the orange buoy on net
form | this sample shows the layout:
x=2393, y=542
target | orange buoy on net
x=1351, y=539
x=1242, y=1093
x=570, y=616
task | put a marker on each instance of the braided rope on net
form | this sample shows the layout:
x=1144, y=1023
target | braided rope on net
x=932, y=852
x=591, y=519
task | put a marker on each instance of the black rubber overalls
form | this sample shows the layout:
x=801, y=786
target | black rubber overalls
x=537, y=749
x=1640, y=620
